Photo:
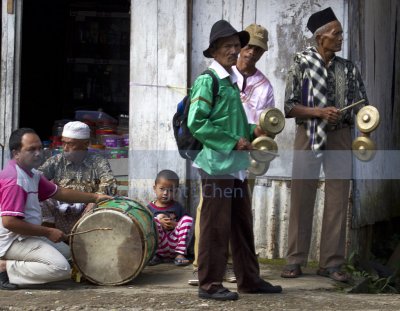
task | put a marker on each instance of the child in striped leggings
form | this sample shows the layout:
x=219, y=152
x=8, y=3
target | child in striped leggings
x=173, y=224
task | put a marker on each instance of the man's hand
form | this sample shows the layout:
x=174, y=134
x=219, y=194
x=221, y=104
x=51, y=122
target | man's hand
x=258, y=131
x=330, y=114
x=89, y=208
x=56, y=235
x=243, y=144
x=20, y=226
x=102, y=197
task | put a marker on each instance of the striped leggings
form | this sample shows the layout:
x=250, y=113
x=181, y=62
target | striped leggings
x=175, y=241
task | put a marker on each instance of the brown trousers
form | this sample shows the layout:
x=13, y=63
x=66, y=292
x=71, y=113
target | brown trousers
x=197, y=235
x=226, y=216
x=337, y=166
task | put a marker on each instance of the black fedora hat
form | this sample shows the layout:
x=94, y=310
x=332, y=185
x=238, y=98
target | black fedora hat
x=223, y=29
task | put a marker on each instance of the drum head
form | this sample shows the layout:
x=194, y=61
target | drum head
x=108, y=257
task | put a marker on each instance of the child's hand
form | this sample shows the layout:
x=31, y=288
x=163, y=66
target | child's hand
x=168, y=223
x=161, y=216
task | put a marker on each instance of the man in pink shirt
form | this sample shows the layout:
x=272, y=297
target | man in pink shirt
x=256, y=91
x=29, y=252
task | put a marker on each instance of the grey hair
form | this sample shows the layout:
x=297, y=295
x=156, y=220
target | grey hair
x=321, y=30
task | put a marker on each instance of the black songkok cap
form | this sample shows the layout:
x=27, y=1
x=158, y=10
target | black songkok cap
x=320, y=19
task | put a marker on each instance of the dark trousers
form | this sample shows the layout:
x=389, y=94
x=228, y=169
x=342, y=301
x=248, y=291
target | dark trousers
x=337, y=165
x=226, y=216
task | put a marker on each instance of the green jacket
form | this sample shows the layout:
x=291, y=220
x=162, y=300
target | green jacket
x=219, y=126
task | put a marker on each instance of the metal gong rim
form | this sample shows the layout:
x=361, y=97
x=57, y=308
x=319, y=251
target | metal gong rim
x=258, y=168
x=262, y=144
x=367, y=119
x=272, y=121
x=364, y=148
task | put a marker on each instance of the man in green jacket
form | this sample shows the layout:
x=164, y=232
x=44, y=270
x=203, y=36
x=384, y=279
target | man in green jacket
x=226, y=214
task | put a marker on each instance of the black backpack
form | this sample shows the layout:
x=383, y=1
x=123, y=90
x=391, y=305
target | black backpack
x=188, y=146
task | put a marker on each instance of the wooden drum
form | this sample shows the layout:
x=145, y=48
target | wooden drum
x=117, y=256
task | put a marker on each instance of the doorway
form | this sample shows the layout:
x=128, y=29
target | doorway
x=74, y=56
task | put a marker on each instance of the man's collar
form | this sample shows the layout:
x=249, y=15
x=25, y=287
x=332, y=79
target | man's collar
x=26, y=170
x=84, y=162
x=332, y=60
x=222, y=73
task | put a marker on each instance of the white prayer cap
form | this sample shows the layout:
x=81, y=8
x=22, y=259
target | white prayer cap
x=76, y=130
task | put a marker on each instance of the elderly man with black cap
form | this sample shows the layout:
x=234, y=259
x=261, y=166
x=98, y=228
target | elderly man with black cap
x=76, y=168
x=223, y=129
x=318, y=85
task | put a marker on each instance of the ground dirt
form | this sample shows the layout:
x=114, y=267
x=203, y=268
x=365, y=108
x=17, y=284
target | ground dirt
x=164, y=287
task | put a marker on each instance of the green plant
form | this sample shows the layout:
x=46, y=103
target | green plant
x=368, y=282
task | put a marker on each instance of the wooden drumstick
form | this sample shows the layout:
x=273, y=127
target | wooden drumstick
x=352, y=105
x=86, y=231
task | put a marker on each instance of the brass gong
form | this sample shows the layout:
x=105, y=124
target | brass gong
x=272, y=121
x=265, y=149
x=258, y=168
x=367, y=119
x=364, y=148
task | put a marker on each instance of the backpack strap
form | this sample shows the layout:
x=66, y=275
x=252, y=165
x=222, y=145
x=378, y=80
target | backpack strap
x=215, y=82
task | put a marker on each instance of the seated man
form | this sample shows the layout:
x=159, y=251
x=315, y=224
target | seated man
x=29, y=252
x=75, y=168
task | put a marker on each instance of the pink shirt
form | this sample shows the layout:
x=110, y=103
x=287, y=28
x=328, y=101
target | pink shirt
x=257, y=95
x=20, y=193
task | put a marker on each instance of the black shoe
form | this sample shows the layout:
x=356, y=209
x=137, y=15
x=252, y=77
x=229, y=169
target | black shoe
x=4, y=282
x=264, y=288
x=221, y=294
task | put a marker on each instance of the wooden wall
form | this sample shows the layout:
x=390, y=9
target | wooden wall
x=375, y=47
x=158, y=58
x=162, y=53
x=10, y=68
x=167, y=41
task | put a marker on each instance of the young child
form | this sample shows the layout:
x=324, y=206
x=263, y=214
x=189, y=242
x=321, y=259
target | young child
x=173, y=224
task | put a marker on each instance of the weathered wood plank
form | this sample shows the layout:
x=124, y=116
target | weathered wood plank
x=232, y=11
x=377, y=50
x=158, y=59
x=172, y=70
x=143, y=116
x=10, y=58
x=205, y=14
x=249, y=12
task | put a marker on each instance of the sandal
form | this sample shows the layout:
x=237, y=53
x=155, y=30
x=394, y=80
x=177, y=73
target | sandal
x=181, y=261
x=334, y=273
x=291, y=271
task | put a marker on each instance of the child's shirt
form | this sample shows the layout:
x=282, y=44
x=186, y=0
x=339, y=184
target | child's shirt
x=175, y=208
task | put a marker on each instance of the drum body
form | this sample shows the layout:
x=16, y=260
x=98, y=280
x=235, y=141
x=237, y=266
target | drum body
x=114, y=257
